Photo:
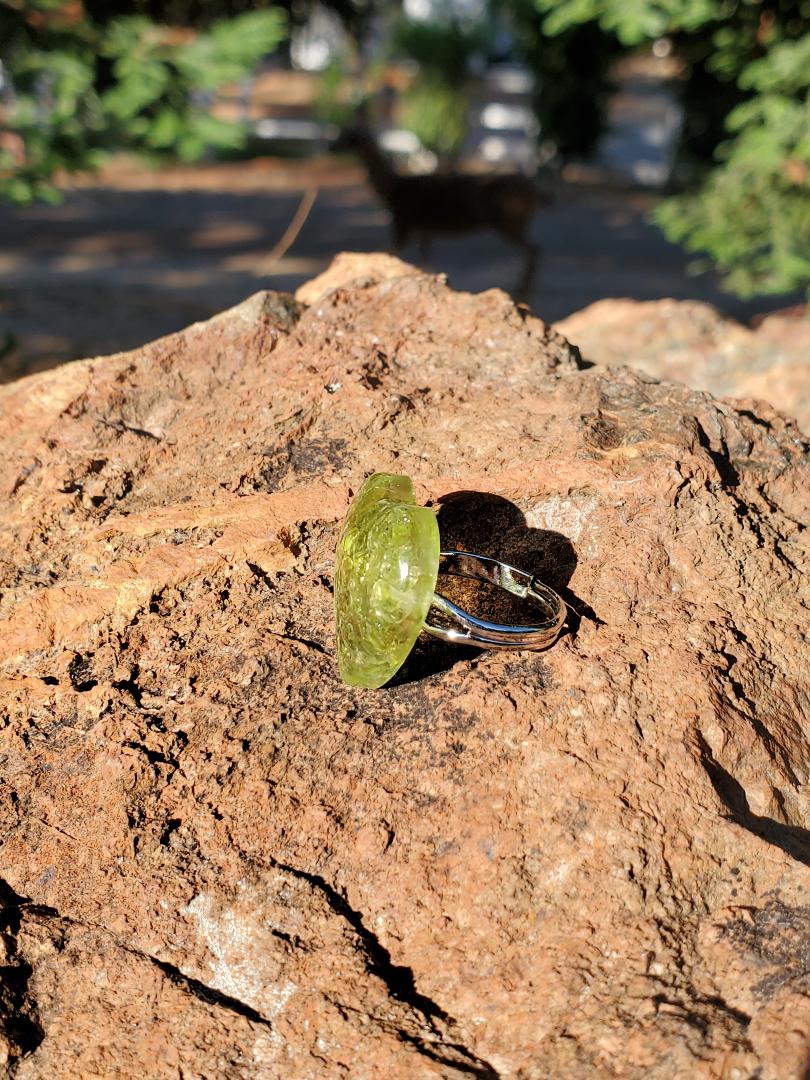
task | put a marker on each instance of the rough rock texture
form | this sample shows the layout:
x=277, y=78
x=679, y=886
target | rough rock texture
x=691, y=342
x=218, y=861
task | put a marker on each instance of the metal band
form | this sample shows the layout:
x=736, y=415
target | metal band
x=489, y=635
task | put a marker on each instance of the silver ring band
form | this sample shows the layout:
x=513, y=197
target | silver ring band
x=469, y=630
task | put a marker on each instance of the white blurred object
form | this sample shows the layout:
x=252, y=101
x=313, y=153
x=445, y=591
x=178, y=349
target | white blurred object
x=419, y=10
x=644, y=121
x=494, y=149
x=464, y=11
x=510, y=78
x=305, y=130
x=503, y=116
x=423, y=161
x=510, y=150
x=318, y=42
x=404, y=144
x=399, y=141
x=655, y=134
x=650, y=173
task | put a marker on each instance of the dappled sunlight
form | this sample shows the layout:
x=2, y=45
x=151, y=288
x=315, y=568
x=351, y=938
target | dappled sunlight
x=291, y=268
x=155, y=259
x=106, y=244
x=259, y=266
x=226, y=234
x=11, y=262
x=78, y=263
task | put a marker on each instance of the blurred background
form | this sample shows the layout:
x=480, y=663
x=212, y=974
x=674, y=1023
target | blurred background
x=161, y=161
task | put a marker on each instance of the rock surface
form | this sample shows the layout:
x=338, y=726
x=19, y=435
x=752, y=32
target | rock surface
x=218, y=861
x=690, y=342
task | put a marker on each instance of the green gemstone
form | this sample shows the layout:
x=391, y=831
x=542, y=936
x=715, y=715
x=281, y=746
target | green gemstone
x=386, y=567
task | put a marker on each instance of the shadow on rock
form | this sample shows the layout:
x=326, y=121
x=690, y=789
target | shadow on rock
x=792, y=839
x=491, y=525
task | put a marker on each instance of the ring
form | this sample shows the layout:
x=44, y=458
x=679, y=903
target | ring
x=387, y=563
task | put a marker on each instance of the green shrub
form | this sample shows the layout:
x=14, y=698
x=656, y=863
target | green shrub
x=81, y=88
x=442, y=48
x=437, y=113
x=334, y=101
x=744, y=153
x=435, y=107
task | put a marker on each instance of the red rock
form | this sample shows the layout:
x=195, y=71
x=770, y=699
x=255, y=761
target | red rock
x=219, y=861
x=690, y=342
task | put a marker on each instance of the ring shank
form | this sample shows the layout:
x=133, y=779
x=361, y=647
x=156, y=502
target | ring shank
x=470, y=630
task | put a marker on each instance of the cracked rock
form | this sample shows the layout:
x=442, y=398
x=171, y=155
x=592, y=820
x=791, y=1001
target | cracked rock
x=221, y=862
x=691, y=342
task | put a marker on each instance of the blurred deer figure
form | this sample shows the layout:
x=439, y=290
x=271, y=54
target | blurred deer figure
x=421, y=205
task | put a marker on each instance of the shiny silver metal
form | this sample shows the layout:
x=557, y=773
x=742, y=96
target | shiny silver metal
x=469, y=630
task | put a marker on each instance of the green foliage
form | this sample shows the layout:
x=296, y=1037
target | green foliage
x=745, y=145
x=572, y=77
x=442, y=49
x=435, y=107
x=752, y=212
x=230, y=48
x=634, y=21
x=785, y=69
x=437, y=113
x=82, y=88
x=334, y=102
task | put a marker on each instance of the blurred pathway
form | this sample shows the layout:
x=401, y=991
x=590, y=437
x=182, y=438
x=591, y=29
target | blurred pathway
x=142, y=254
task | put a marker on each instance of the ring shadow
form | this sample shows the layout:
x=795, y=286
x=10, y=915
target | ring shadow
x=491, y=525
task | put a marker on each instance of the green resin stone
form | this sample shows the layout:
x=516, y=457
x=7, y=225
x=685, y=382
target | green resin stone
x=386, y=567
